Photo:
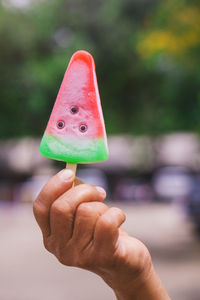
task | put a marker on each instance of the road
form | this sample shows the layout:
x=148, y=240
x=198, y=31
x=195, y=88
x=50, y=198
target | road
x=29, y=272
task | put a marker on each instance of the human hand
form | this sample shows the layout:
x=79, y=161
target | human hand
x=82, y=231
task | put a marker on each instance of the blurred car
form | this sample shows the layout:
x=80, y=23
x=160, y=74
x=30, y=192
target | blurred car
x=172, y=183
x=132, y=190
x=182, y=186
x=193, y=205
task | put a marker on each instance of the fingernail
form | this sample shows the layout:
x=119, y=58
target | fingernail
x=66, y=175
x=101, y=191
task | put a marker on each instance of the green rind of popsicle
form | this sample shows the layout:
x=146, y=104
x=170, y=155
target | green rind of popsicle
x=73, y=150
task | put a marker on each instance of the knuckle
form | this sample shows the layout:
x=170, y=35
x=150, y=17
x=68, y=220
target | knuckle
x=42, y=195
x=38, y=208
x=61, y=256
x=119, y=212
x=66, y=256
x=48, y=244
x=60, y=207
x=105, y=222
x=144, y=259
x=87, y=191
x=84, y=209
x=116, y=210
x=62, y=260
x=83, y=263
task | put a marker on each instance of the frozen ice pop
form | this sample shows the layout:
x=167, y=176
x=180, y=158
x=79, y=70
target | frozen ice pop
x=76, y=132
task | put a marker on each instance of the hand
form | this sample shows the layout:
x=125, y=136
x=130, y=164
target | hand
x=83, y=232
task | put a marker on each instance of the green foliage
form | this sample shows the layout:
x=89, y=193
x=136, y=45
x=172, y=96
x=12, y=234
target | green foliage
x=170, y=43
x=146, y=53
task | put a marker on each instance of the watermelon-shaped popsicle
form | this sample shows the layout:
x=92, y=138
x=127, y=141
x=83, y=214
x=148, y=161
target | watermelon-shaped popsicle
x=76, y=132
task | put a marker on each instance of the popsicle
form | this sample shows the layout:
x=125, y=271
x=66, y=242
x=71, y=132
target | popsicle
x=75, y=132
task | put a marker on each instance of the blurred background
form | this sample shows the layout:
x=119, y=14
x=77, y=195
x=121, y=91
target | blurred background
x=147, y=55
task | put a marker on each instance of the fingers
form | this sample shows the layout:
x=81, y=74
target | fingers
x=107, y=229
x=87, y=215
x=62, y=212
x=55, y=187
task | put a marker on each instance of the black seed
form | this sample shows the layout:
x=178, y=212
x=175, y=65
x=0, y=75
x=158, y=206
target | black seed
x=60, y=124
x=83, y=127
x=74, y=109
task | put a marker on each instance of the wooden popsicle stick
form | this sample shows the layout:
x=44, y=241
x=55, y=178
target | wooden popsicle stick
x=72, y=167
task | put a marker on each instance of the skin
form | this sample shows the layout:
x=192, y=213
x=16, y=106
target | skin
x=83, y=232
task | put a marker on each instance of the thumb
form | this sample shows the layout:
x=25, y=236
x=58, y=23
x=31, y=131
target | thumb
x=54, y=188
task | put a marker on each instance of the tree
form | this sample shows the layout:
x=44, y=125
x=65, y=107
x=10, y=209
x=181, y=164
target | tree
x=147, y=85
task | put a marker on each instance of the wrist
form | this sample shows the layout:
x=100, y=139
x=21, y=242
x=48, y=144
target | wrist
x=129, y=285
x=145, y=284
